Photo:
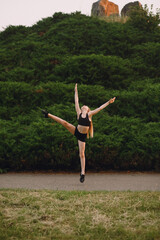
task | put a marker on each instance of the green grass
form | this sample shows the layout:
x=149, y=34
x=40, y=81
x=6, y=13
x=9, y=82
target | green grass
x=77, y=215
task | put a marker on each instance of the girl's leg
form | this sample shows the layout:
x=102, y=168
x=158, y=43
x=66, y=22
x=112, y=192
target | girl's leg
x=68, y=126
x=82, y=155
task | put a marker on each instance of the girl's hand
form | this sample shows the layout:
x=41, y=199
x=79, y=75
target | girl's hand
x=112, y=100
x=76, y=87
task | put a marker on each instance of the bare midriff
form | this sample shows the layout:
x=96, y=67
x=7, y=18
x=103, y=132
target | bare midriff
x=82, y=129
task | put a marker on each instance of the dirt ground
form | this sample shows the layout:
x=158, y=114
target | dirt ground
x=93, y=181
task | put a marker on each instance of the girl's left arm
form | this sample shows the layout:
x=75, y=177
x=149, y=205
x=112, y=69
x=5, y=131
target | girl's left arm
x=91, y=113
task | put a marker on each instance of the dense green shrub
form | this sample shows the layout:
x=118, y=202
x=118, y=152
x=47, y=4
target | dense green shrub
x=109, y=71
x=141, y=100
x=143, y=104
x=15, y=98
x=18, y=74
x=44, y=25
x=39, y=67
x=144, y=20
x=13, y=33
x=120, y=143
x=146, y=59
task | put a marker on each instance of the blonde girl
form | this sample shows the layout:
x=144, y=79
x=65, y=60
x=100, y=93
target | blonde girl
x=83, y=129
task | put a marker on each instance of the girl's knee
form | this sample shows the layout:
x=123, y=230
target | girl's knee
x=81, y=154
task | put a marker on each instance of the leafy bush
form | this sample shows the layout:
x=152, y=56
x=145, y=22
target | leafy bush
x=38, y=143
x=144, y=20
x=13, y=33
x=146, y=59
x=109, y=71
x=39, y=68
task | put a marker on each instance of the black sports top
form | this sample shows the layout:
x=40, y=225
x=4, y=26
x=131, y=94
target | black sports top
x=84, y=121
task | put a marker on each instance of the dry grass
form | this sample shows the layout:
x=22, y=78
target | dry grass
x=79, y=215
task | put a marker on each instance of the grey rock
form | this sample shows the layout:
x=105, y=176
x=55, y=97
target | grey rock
x=128, y=7
x=97, y=9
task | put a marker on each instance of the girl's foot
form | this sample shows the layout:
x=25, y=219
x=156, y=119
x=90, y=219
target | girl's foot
x=45, y=113
x=82, y=178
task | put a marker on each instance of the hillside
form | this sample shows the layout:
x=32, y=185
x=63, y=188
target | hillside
x=39, y=67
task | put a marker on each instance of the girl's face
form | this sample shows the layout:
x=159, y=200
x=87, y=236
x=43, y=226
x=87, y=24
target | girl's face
x=85, y=108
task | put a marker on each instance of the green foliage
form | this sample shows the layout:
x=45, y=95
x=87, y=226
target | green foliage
x=109, y=71
x=146, y=59
x=13, y=33
x=144, y=20
x=44, y=25
x=39, y=67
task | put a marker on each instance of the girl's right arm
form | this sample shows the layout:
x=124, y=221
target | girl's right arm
x=77, y=102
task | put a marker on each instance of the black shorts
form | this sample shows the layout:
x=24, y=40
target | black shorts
x=80, y=136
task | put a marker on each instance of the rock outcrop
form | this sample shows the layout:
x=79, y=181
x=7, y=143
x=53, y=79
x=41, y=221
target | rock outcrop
x=104, y=8
x=128, y=7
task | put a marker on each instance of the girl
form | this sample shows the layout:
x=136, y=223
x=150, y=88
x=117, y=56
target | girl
x=85, y=126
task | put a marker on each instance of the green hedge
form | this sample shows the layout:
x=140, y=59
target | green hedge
x=33, y=142
x=39, y=68
x=141, y=101
x=109, y=71
x=146, y=59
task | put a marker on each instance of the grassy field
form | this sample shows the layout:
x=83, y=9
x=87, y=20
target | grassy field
x=79, y=215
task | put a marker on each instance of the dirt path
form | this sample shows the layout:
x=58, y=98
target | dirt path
x=94, y=181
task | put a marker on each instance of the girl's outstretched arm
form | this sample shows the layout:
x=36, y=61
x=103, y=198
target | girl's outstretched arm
x=77, y=101
x=91, y=113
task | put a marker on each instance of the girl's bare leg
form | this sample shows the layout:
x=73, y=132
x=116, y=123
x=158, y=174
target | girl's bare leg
x=68, y=126
x=82, y=156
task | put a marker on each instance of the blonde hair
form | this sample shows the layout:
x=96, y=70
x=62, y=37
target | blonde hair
x=90, y=131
